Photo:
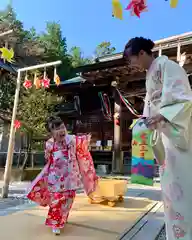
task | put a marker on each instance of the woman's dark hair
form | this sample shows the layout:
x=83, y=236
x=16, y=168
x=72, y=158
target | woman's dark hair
x=53, y=122
x=135, y=45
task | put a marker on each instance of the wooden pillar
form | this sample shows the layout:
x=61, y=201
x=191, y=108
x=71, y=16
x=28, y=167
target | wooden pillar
x=160, y=51
x=117, y=163
x=178, y=52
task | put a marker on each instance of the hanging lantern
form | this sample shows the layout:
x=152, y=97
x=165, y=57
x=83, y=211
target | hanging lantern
x=117, y=9
x=17, y=124
x=174, y=3
x=137, y=7
x=27, y=83
x=57, y=80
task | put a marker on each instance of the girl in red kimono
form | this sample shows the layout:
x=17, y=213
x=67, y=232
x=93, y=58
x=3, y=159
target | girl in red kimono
x=69, y=167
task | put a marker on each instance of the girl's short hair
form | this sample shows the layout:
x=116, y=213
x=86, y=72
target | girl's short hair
x=53, y=122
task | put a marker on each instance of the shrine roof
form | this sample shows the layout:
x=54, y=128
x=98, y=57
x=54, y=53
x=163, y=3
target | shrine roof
x=8, y=67
x=112, y=66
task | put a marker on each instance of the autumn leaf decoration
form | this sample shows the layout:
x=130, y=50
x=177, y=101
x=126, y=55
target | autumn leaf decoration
x=27, y=83
x=174, y=3
x=17, y=124
x=57, y=80
x=7, y=54
x=137, y=7
x=117, y=9
x=45, y=82
x=37, y=81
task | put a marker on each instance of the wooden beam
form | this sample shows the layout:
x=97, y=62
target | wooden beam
x=160, y=51
x=117, y=164
x=178, y=52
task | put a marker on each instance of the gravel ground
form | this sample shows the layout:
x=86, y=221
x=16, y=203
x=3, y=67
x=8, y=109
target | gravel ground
x=162, y=235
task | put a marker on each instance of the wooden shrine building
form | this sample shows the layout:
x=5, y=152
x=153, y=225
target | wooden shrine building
x=84, y=112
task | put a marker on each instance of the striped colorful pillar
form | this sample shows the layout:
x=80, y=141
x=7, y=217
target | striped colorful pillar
x=142, y=169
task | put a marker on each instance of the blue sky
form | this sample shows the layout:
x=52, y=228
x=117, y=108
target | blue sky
x=86, y=23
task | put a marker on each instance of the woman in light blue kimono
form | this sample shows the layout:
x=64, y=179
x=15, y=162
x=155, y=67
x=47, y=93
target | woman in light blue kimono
x=168, y=111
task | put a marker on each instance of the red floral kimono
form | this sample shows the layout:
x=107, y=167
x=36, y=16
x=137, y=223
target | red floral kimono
x=70, y=166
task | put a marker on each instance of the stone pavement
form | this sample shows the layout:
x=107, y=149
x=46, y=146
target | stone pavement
x=86, y=221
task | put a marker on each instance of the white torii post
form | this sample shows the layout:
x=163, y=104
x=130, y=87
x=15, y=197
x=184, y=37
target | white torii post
x=9, y=160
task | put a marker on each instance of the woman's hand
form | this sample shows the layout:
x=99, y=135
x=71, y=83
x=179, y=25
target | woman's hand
x=152, y=122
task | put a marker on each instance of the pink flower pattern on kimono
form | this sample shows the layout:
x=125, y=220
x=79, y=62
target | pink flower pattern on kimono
x=162, y=169
x=59, y=209
x=174, y=191
x=86, y=166
x=171, y=158
x=69, y=178
x=178, y=232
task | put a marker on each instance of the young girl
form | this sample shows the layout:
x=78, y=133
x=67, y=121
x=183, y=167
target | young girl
x=69, y=167
x=168, y=109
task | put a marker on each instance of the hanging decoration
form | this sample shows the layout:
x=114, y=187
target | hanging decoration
x=174, y=3
x=45, y=82
x=137, y=7
x=117, y=9
x=37, y=81
x=106, y=106
x=17, y=124
x=117, y=119
x=57, y=80
x=7, y=54
x=128, y=105
x=142, y=169
x=41, y=82
x=27, y=83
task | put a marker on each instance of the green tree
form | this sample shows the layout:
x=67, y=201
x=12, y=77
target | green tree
x=77, y=57
x=26, y=53
x=55, y=48
x=31, y=48
x=35, y=107
x=103, y=49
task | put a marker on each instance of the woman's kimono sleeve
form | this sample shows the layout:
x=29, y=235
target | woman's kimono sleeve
x=146, y=110
x=38, y=191
x=86, y=165
x=176, y=104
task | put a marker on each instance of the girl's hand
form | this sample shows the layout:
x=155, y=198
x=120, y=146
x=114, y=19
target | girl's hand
x=152, y=122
